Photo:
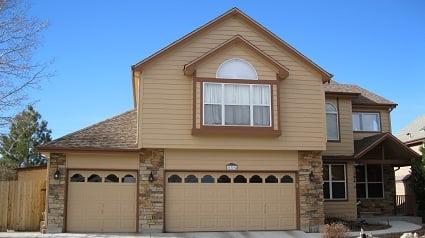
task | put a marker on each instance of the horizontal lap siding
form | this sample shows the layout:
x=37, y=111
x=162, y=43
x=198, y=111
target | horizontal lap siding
x=166, y=119
x=345, y=146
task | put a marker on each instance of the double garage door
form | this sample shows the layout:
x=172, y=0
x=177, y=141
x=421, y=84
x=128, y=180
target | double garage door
x=202, y=201
x=101, y=201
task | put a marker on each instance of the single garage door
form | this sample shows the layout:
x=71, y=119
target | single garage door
x=101, y=201
x=205, y=201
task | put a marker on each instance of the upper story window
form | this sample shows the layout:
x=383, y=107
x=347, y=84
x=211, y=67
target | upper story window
x=366, y=121
x=236, y=69
x=228, y=104
x=332, y=122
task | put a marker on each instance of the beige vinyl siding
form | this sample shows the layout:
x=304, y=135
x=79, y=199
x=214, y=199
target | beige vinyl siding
x=177, y=159
x=102, y=161
x=208, y=69
x=344, y=209
x=385, y=121
x=166, y=104
x=345, y=146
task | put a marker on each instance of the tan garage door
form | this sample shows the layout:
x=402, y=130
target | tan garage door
x=205, y=201
x=101, y=201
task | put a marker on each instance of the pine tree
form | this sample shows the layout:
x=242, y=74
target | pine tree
x=418, y=183
x=27, y=131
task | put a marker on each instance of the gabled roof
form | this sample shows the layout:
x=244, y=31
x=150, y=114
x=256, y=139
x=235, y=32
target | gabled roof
x=360, y=95
x=231, y=13
x=237, y=39
x=413, y=132
x=115, y=134
x=361, y=147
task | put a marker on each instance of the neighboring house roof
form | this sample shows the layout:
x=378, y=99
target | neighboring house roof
x=362, y=146
x=191, y=67
x=115, y=134
x=231, y=13
x=413, y=133
x=360, y=95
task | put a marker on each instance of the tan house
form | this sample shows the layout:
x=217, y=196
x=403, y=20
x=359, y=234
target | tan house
x=232, y=129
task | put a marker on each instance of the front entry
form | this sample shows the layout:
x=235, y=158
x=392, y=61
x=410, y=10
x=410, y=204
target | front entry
x=101, y=201
x=204, y=201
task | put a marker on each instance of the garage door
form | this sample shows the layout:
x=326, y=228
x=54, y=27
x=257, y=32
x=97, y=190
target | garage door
x=198, y=201
x=101, y=201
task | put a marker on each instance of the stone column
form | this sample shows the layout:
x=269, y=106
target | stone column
x=311, y=191
x=56, y=193
x=151, y=194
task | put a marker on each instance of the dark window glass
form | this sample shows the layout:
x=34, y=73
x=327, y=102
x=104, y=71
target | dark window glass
x=112, y=178
x=174, y=179
x=239, y=179
x=286, y=179
x=128, y=179
x=223, y=179
x=94, y=178
x=325, y=172
x=338, y=190
x=361, y=190
x=191, y=179
x=207, y=179
x=374, y=190
x=338, y=172
x=256, y=179
x=360, y=173
x=271, y=179
x=326, y=193
x=77, y=178
x=374, y=173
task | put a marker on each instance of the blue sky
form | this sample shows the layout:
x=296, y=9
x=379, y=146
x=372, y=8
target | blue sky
x=379, y=45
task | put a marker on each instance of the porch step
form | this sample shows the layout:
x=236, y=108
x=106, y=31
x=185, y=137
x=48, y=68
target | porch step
x=385, y=219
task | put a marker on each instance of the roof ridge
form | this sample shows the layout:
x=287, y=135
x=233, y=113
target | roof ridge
x=86, y=128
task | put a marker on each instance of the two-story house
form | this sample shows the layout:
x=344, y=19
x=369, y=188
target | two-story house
x=232, y=129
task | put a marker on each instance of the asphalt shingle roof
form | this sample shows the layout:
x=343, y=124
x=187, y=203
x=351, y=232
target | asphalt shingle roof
x=116, y=133
x=413, y=131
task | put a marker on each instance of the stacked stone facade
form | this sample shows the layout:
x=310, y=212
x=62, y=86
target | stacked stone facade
x=151, y=193
x=311, y=191
x=55, y=209
x=381, y=206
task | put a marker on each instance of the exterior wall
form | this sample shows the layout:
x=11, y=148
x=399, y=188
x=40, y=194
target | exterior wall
x=385, y=121
x=165, y=118
x=383, y=206
x=151, y=194
x=102, y=161
x=311, y=191
x=32, y=174
x=346, y=209
x=55, y=207
x=176, y=159
x=345, y=145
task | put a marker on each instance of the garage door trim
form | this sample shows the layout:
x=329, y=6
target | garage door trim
x=296, y=181
x=88, y=169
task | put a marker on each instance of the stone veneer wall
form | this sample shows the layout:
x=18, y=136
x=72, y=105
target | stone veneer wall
x=55, y=209
x=381, y=206
x=151, y=194
x=311, y=191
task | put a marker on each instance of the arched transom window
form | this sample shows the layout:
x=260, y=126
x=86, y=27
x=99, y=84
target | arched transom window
x=332, y=122
x=236, y=69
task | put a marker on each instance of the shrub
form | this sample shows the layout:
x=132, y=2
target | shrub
x=334, y=230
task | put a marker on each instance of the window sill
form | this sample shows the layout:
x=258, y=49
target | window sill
x=236, y=130
x=367, y=131
x=336, y=200
x=334, y=141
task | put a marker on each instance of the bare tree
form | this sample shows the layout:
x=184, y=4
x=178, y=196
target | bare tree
x=19, y=38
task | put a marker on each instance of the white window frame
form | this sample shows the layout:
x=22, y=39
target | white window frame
x=330, y=180
x=366, y=182
x=337, y=122
x=361, y=121
x=251, y=104
x=236, y=59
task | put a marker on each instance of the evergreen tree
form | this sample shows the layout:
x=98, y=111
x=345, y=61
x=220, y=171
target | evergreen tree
x=27, y=131
x=418, y=183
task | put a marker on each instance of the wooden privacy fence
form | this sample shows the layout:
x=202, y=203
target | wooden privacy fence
x=405, y=205
x=21, y=205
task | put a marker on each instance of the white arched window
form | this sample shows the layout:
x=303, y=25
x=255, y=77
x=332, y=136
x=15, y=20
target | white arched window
x=236, y=69
x=332, y=122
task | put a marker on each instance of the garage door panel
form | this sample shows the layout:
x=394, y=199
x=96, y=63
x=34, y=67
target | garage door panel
x=231, y=206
